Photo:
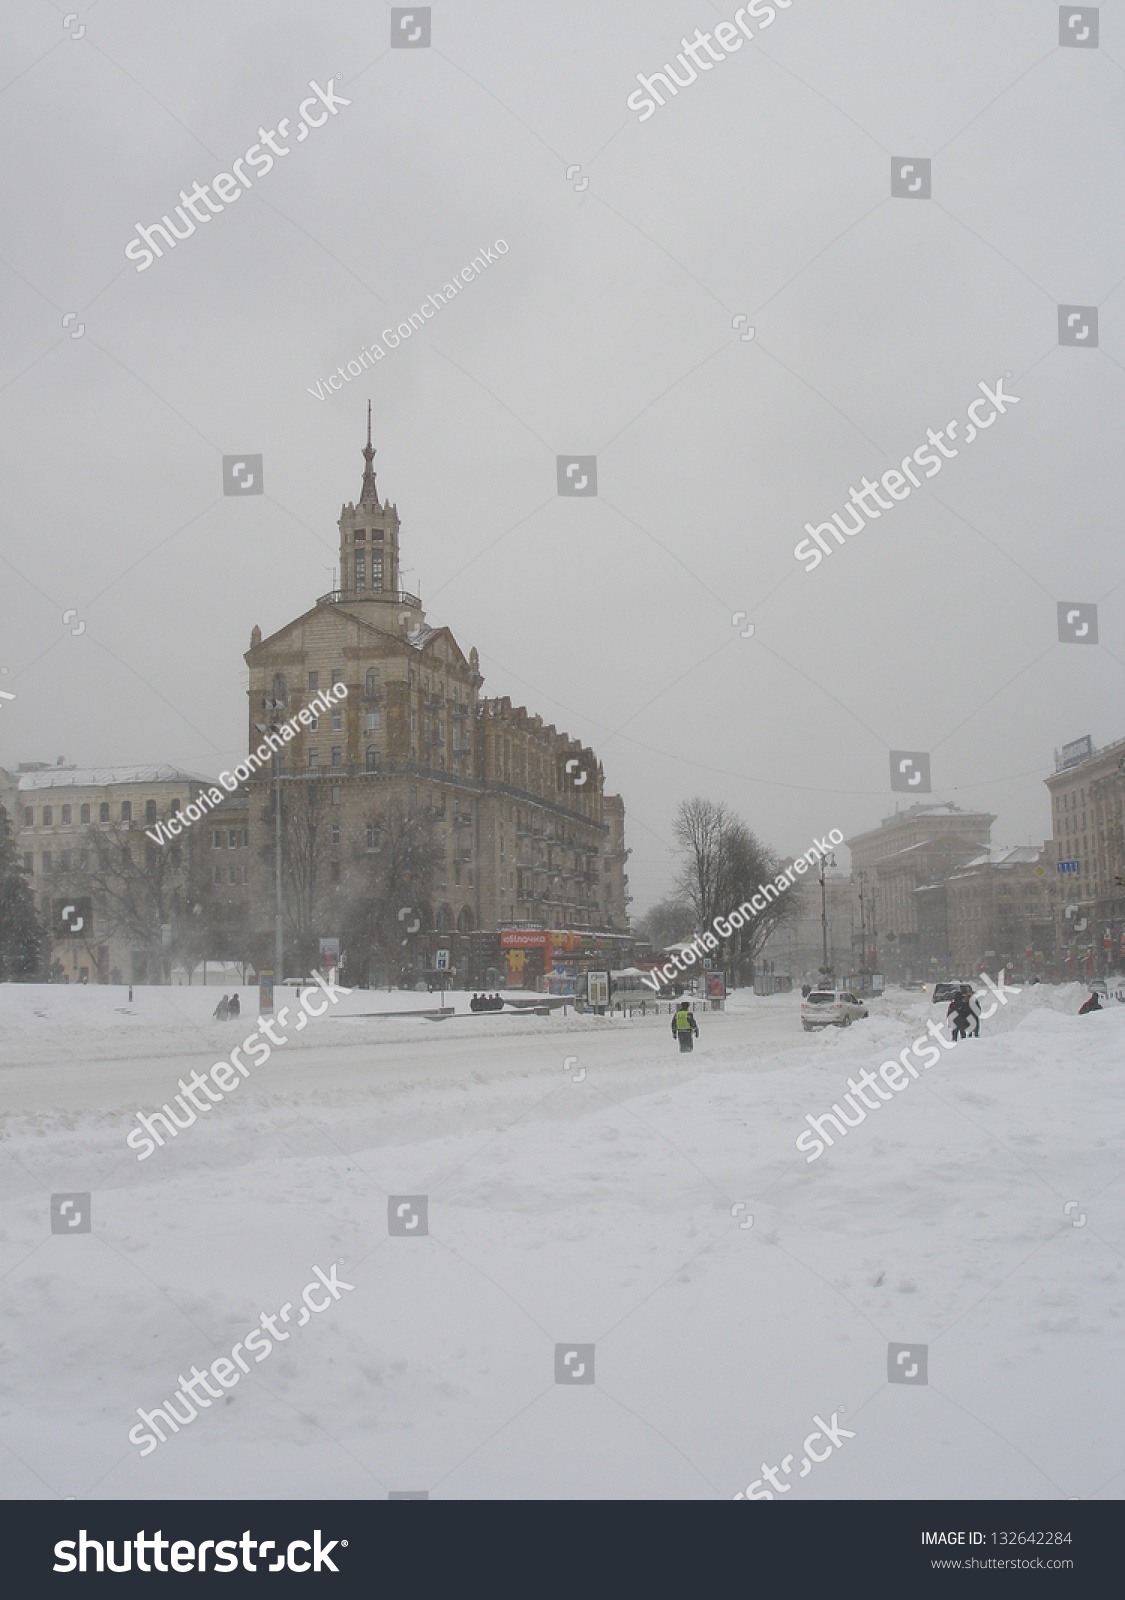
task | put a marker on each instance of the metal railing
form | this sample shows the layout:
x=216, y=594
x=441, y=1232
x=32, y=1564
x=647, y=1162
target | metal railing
x=401, y=597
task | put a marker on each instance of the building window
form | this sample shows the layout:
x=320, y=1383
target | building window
x=216, y=874
x=280, y=691
x=46, y=863
x=232, y=838
x=28, y=862
x=373, y=760
x=246, y=874
x=337, y=721
x=314, y=760
x=103, y=811
x=126, y=811
x=376, y=570
x=372, y=719
x=232, y=873
x=337, y=676
x=314, y=679
x=217, y=839
x=66, y=816
x=373, y=680
x=175, y=805
x=245, y=836
x=315, y=723
x=28, y=817
x=360, y=570
x=334, y=871
x=337, y=756
x=360, y=536
x=335, y=833
x=335, y=794
x=150, y=810
x=64, y=861
x=372, y=836
x=48, y=816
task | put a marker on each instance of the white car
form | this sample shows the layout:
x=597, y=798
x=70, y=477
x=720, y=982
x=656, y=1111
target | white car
x=830, y=1008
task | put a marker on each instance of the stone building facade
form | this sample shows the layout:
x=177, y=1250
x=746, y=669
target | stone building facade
x=526, y=833
x=54, y=812
x=1087, y=792
x=909, y=857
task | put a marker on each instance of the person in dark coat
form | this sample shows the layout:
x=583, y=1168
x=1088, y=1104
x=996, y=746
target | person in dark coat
x=963, y=1019
x=234, y=1006
x=222, y=1010
x=1092, y=1004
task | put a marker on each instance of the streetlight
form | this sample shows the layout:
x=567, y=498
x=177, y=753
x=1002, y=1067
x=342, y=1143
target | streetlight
x=276, y=706
x=826, y=861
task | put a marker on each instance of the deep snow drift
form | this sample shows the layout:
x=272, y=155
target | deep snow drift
x=586, y=1186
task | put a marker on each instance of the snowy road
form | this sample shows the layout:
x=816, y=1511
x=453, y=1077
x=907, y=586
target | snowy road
x=603, y=1202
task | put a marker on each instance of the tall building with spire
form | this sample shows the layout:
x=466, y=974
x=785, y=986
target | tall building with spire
x=527, y=840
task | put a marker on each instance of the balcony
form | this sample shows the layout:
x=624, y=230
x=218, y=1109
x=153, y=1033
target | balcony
x=398, y=597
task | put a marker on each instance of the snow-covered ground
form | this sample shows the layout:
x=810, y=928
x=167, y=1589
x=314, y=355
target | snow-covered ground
x=586, y=1185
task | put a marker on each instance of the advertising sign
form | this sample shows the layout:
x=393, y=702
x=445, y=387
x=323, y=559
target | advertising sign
x=523, y=938
x=1077, y=751
x=329, y=953
x=1068, y=866
x=441, y=961
x=597, y=988
x=716, y=985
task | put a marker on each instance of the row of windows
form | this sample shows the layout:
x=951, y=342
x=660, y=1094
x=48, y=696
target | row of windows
x=233, y=874
x=232, y=838
x=66, y=813
x=373, y=760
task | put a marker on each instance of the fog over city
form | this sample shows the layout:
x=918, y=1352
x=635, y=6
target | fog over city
x=606, y=329
x=738, y=390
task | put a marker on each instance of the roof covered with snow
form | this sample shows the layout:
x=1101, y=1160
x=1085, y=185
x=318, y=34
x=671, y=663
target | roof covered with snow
x=103, y=777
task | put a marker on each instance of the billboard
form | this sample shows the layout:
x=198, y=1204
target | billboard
x=1077, y=751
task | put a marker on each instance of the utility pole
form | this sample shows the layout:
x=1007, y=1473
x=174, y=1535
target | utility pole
x=827, y=861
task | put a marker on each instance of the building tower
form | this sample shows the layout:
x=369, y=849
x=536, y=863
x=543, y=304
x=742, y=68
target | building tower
x=369, y=552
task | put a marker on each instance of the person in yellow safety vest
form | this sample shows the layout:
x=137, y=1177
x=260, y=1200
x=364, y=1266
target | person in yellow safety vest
x=684, y=1026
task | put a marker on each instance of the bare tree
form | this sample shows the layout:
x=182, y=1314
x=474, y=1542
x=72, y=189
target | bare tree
x=699, y=828
x=305, y=850
x=389, y=889
x=748, y=864
x=670, y=920
x=137, y=889
x=723, y=865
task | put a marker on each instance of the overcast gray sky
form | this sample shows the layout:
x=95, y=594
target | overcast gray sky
x=763, y=190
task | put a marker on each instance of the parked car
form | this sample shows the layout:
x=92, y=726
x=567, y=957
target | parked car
x=944, y=991
x=830, y=1008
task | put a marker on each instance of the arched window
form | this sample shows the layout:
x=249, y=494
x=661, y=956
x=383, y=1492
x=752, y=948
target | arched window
x=445, y=919
x=372, y=680
x=464, y=920
x=373, y=761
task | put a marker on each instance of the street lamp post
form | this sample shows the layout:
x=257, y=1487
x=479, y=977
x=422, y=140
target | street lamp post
x=276, y=707
x=827, y=861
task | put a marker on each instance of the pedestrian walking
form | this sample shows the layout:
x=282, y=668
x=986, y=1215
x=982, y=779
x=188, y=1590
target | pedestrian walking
x=684, y=1027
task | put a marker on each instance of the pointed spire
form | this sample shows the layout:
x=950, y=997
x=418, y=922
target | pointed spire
x=369, y=495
